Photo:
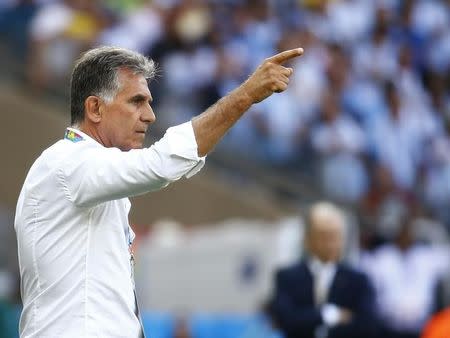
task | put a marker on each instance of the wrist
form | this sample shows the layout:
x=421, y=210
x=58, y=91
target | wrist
x=245, y=95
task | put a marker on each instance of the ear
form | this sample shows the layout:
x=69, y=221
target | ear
x=93, y=109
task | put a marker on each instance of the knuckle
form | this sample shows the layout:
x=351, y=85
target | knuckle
x=272, y=73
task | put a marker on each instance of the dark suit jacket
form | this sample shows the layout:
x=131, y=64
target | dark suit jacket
x=297, y=315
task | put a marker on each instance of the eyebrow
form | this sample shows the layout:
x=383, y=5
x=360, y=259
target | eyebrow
x=141, y=97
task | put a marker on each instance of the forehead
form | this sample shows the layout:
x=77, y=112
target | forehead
x=132, y=84
x=323, y=222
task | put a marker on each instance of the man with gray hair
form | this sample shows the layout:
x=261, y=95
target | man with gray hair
x=320, y=297
x=71, y=221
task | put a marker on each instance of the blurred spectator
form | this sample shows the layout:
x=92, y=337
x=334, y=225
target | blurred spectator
x=340, y=142
x=438, y=326
x=437, y=174
x=429, y=17
x=437, y=55
x=376, y=57
x=429, y=229
x=350, y=20
x=343, y=22
x=384, y=203
x=282, y=125
x=15, y=20
x=138, y=28
x=408, y=81
x=183, y=49
x=309, y=79
x=397, y=139
x=406, y=275
x=435, y=82
x=417, y=106
x=319, y=296
x=59, y=32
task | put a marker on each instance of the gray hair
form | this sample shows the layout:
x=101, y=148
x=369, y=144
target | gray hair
x=96, y=73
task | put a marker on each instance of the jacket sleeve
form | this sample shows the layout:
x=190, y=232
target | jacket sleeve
x=294, y=319
x=92, y=175
x=364, y=322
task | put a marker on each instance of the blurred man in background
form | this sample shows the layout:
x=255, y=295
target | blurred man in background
x=72, y=227
x=406, y=274
x=321, y=297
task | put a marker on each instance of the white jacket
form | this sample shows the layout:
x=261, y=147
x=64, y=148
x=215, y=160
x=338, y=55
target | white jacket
x=74, y=237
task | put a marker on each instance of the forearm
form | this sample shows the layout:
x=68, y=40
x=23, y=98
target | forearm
x=270, y=77
x=298, y=321
x=210, y=126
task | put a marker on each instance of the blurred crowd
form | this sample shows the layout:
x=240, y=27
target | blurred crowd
x=368, y=112
x=367, y=116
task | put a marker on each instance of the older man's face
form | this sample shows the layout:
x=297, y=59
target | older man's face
x=326, y=238
x=126, y=119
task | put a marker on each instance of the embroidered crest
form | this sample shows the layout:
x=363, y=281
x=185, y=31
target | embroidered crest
x=73, y=136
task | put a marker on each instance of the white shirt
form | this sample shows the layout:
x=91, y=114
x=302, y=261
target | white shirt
x=405, y=282
x=340, y=142
x=74, y=237
x=323, y=277
x=397, y=145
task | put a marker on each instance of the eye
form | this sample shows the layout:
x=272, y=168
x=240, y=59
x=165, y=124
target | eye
x=140, y=100
x=136, y=101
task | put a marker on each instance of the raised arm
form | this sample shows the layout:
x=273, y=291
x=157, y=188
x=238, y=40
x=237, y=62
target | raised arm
x=270, y=77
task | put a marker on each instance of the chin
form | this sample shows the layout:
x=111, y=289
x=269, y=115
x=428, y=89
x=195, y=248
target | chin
x=129, y=147
x=137, y=146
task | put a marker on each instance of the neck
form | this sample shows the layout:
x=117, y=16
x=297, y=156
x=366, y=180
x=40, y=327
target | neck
x=323, y=262
x=92, y=132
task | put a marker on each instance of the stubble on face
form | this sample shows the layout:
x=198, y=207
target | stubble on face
x=128, y=116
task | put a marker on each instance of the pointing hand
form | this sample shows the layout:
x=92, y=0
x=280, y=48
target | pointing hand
x=271, y=76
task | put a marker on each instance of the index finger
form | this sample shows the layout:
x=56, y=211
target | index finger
x=286, y=55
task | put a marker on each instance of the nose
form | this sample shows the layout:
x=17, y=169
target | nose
x=148, y=116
